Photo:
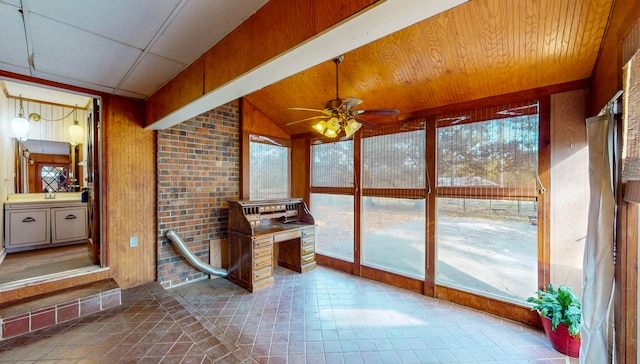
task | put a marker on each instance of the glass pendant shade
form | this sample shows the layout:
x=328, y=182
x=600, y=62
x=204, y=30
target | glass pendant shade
x=20, y=128
x=333, y=124
x=331, y=133
x=320, y=126
x=76, y=133
x=351, y=127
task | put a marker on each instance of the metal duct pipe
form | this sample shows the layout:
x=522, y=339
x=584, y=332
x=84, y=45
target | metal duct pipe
x=204, y=267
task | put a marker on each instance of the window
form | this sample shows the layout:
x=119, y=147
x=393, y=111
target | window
x=334, y=218
x=269, y=167
x=486, y=234
x=332, y=201
x=393, y=205
x=332, y=164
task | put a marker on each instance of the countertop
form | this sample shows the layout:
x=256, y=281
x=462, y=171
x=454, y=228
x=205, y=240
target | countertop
x=39, y=199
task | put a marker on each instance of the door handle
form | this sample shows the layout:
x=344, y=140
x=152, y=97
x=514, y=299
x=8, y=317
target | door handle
x=28, y=219
x=70, y=217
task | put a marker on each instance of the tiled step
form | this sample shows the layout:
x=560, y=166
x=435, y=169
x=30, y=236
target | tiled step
x=50, y=283
x=34, y=313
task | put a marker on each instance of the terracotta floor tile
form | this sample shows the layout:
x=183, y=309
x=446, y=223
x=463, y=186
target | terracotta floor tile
x=321, y=316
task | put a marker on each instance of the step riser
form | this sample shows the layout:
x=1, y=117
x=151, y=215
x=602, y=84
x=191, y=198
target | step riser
x=41, y=318
x=51, y=286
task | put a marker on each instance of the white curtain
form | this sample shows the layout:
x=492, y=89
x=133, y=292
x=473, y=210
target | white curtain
x=598, y=268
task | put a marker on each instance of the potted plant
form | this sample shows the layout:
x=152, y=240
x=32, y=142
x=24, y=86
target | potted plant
x=560, y=312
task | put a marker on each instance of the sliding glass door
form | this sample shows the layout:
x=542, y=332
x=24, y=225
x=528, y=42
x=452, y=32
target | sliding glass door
x=486, y=216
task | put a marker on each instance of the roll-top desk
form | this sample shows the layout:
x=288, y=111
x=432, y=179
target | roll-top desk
x=265, y=233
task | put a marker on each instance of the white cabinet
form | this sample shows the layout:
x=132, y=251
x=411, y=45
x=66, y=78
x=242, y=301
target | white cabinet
x=35, y=225
x=68, y=224
x=28, y=227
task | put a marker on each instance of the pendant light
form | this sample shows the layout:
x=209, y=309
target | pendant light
x=20, y=125
x=75, y=131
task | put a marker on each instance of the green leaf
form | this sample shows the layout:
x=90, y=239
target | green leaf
x=561, y=305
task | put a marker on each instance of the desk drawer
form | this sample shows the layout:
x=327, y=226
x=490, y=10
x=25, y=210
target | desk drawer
x=306, y=249
x=262, y=243
x=262, y=274
x=262, y=262
x=309, y=240
x=308, y=258
x=286, y=236
x=262, y=253
x=308, y=232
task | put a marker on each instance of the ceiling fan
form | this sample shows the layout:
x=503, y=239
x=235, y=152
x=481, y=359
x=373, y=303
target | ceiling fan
x=338, y=114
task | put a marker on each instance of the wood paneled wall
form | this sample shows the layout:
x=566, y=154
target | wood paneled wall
x=128, y=191
x=254, y=122
x=607, y=74
x=606, y=81
x=569, y=192
x=300, y=165
x=252, y=43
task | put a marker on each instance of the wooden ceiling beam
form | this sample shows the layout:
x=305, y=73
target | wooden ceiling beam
x=279, y=40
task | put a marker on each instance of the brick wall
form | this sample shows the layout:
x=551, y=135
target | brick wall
x=198, y=171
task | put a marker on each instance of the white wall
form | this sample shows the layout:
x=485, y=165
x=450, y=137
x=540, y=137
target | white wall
x=6, y=165
x=55, y=122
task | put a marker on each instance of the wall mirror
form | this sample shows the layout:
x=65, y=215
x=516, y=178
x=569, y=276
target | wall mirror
x=44, y=165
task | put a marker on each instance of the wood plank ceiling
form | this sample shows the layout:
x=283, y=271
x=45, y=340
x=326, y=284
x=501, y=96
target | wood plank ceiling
x=479, y=49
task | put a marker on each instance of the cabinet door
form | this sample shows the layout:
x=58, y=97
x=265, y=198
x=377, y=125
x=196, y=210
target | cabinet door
x=28, y=227
x=69, y=224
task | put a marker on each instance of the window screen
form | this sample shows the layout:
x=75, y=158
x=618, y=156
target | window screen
x=332, y=164
x=394, y=160
x=490, y=152
x=269, y=167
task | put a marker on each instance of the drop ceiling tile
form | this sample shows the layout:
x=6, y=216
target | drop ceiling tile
x=131, y=22
x=62, y=50
x=151, y=73
x=15, y=3
x=131, y=95
x=73, y=82
x=13, y=48
x=201, y=24
x=15, y=69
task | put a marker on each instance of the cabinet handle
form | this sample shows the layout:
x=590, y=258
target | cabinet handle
x=28, y=219
x=70, y=217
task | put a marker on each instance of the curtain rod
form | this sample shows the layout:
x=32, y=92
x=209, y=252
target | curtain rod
x=612, y=102
x=615, y=97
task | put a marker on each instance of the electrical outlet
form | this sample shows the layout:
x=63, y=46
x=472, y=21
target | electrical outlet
x=133, y=241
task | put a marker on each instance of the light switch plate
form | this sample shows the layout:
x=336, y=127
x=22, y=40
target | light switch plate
x=133, y=241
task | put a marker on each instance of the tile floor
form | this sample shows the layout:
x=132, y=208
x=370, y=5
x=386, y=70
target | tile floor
x=322, y=316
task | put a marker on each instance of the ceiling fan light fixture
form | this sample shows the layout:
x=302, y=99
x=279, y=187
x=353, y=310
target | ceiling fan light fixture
x=331, y=133
x=351, y=126
x=320, y=126
x=333, y=124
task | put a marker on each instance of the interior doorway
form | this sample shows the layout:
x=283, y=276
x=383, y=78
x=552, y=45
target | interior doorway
x=74, y=174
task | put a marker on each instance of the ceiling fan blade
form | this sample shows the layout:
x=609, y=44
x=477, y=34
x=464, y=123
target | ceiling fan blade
x=366, y=123
x=307, y=119
x=305, y=109
x=350, y=102
x=390, y=112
